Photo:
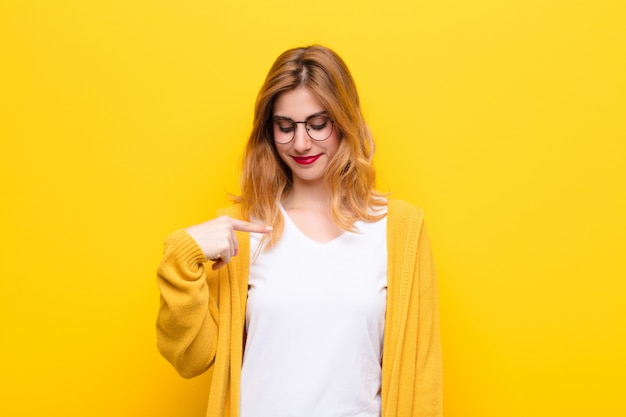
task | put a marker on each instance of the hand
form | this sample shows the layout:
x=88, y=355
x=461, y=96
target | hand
x=217, y=237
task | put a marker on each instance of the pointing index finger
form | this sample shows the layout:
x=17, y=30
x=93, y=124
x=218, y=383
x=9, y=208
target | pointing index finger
x=244, y=226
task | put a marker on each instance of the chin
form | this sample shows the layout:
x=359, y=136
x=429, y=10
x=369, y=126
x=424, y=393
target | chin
x=308, y=178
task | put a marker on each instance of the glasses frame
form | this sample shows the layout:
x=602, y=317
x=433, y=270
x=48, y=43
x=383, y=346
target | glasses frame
x=304, y=122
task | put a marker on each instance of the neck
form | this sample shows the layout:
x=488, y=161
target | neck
x=308, y=195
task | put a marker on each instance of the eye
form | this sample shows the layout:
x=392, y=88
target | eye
x=284, y=126
x=317, y=123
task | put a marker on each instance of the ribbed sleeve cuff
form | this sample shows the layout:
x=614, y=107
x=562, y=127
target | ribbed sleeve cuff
x=184, y=247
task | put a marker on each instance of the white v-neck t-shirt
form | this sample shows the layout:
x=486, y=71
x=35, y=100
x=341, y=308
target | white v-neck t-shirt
x=315, y=319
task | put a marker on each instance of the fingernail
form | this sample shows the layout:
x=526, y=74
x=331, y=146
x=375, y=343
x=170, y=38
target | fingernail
x=269, y=228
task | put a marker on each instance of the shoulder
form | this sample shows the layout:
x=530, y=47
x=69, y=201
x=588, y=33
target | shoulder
x=401, y=212
x=404, y=222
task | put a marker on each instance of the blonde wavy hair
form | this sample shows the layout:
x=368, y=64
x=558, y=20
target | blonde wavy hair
x=265, y=178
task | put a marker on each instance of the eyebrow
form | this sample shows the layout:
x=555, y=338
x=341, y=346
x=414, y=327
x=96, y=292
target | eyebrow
x=320, y=113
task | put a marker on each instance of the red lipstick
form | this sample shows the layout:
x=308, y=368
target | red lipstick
x=306, y=160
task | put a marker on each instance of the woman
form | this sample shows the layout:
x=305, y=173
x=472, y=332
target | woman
x=321, y=295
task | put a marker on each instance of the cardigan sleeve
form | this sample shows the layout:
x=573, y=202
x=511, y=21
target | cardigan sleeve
x=412, y=369
x=187, y=322
x=428, y=381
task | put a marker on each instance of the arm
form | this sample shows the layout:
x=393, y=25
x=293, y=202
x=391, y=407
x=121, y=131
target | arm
x=428, y=384
x=187, y=324
x=187, y=319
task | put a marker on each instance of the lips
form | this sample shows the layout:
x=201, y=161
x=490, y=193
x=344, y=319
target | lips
x=306, y=160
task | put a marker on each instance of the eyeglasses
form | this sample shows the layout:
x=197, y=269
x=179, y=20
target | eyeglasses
x=319, y=127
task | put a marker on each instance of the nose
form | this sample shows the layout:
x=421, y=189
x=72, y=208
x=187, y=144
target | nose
x=301, y=140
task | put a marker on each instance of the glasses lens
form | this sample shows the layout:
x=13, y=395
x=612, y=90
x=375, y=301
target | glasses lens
x=283, y=130
x=319, y=127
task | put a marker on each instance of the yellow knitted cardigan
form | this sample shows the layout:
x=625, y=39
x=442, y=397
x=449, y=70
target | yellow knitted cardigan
x=200, y=324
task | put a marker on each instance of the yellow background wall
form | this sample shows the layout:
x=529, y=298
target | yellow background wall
x=122, y=120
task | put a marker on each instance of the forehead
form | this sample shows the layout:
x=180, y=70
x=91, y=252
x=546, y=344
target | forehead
x=297, y=104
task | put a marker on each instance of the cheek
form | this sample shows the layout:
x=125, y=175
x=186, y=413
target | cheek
x=282, y=155
x=334, y=143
